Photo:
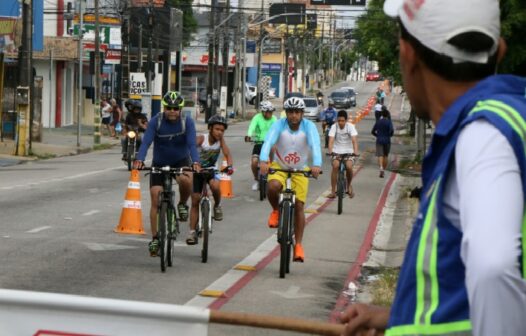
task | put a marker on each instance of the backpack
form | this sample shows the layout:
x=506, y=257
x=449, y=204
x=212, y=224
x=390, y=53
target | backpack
x=160, y=119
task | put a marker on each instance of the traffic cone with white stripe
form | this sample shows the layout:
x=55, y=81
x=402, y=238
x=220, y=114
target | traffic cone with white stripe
x=131, y=215
x=225, y=183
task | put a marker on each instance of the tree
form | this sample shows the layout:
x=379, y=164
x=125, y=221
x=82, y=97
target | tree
x=189, y=21
x=513, y=30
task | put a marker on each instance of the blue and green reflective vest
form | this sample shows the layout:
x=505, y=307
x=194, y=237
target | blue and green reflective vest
x=431, y=297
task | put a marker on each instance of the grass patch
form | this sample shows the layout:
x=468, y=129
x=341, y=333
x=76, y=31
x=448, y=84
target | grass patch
x=383, y=289
x=43, y=156
x=102, y=146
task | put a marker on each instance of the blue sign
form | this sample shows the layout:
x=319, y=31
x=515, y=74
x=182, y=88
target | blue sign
x=38, y=25
x=271, y=67
x=251, y=47
x=10, y=8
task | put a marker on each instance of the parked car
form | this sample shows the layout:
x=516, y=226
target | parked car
x=293, y=94
x=312, y=108
x=342, y=99
x=250, y=93
x=372, y=76
x=352, y=94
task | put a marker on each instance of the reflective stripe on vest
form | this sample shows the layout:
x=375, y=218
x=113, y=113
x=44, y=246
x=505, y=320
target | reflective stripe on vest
x=518, y=124
x=427, y=286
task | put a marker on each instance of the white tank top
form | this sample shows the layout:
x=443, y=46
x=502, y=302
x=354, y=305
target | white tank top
x=208, y=154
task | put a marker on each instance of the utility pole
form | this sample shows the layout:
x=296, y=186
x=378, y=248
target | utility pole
x=210, y=82
x=79, y=90
x=226, y=42
x=149, y=66
x=23, y=92
x=139, y=50
x=237, y=78
x=96, y=115
x=260, y=55
x=244, y=65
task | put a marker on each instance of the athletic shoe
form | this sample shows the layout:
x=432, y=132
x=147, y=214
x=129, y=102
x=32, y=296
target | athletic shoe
x=273, y=219
x=183, y=212
x=299, y=255
x=153, y=247
x=191, y=239
x=218, y=213
x=381, y=173
x=255, y=186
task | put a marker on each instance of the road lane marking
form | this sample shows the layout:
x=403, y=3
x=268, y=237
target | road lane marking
x=38, y=229
x=108, y=247
x=90, y=213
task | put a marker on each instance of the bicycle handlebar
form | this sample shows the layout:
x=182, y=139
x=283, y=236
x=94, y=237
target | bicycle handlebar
x=166, y=169
x=306, y=173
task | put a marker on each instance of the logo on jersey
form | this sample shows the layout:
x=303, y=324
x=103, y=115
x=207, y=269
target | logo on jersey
x=292, y=158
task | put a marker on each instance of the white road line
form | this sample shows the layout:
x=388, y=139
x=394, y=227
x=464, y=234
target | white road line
x=38, y=229
x=92, y=212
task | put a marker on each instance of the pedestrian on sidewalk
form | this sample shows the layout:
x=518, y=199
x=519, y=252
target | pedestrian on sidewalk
x=383, y=131
x=116, y=116
x=105, y=113
x=465, y=264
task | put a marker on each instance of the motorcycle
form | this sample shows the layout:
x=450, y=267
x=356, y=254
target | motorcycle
x=320, y=100
x=133, y=142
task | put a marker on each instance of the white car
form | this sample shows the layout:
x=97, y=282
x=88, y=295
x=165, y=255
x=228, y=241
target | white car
x=250, y=93
x=312, y=108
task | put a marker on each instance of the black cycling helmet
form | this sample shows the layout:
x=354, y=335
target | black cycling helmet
x=173, y=99
x=133, y=104
x=217, y=119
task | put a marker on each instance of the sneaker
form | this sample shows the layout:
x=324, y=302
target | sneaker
x=273, y=219
x=299, y=255
x=191, y=239
x=255, y=186
x=218, y=213
x=153, y=247
x=381, y=173
x=124, y=158
x=182, y=209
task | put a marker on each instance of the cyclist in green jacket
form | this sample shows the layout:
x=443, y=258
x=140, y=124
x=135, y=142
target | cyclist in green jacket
x=258, y=129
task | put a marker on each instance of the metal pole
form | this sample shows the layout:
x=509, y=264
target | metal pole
x=209, y=84
x=150, y=46
x=79, y=90
x=260, y=55
x=139, y=51
x=96, y=115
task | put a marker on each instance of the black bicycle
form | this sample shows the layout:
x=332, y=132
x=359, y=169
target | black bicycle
x=204, y=224
x=167, y=217
x=262, y=179
x=341, y=184
x=287, y=205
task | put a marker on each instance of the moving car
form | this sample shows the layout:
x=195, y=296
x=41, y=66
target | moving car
x=342, y=99
x=352, y=94
x=372, y=76
x=312, y=108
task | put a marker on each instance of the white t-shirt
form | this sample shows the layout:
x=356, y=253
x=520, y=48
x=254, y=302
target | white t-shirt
x=483, y=198
x=343, y=138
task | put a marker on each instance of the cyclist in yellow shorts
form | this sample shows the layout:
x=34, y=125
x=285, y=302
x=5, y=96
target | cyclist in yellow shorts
x=294, y=140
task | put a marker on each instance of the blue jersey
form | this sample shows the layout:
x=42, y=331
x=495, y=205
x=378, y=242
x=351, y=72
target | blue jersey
x=170, y=144
x=329, y=115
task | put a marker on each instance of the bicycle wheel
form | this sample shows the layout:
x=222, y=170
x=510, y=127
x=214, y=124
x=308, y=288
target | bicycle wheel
x=340, y=191
x=262, y=187
x=291, y=239
x=205, y=227
x=170, y=241
x=161, y=234
x=130, y=154
x=284, y=239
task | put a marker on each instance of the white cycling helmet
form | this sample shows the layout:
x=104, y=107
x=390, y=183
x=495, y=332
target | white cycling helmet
x=266, y=106
x=294, y=103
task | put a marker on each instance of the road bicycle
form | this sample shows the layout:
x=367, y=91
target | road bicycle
x=262, y=179
x=287, y=203
x=341, y=184
x=167, y=217
x=204, y=225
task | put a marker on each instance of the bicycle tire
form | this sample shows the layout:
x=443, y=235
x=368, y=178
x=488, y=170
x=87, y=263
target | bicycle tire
x=170, y=236
x=290, y=241
x=262, y=188
x=205, y=227
x=161, y=234
x=130, y=154
x=340, y=191
x=284, y=223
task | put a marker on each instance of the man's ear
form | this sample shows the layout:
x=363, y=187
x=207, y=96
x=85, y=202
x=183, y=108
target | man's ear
x=408, y=57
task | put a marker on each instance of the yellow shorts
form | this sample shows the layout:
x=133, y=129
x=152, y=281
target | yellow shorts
x=300, y=184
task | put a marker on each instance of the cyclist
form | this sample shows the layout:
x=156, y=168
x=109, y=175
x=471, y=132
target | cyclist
x=293, y=138
x=173, y=144
x=135, y=121
x=259, y=126
x=328, y=117
x=209, y=146
x=343, y=139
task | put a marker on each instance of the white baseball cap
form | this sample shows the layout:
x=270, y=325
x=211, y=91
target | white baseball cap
x=434, y=22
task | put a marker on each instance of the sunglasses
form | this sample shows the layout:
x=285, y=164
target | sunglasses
x=172, y=108
x=294, y=111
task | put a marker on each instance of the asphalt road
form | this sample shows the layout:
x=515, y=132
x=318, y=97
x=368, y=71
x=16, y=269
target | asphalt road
x=58, y=216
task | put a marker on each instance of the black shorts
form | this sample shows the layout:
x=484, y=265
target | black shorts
x=157, y=179
x=383, y=150
x=106, y=121
x=257, y=149
x=199, y=180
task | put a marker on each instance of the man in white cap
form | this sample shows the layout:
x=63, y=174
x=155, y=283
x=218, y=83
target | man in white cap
x=465, y=264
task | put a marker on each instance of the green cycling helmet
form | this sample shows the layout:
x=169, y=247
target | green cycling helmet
x=173, y=99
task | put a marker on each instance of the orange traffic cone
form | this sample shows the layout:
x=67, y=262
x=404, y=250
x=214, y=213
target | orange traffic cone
x=131, y=215
x=225, y=183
